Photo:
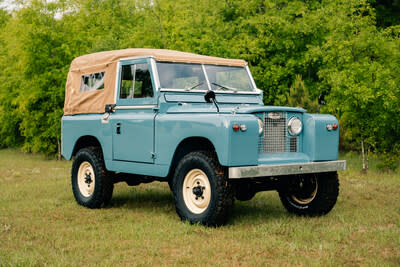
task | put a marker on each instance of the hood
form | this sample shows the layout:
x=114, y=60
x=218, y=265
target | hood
x=228, y=109
x=259, y=109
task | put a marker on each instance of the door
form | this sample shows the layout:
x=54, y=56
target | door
x=133, y=119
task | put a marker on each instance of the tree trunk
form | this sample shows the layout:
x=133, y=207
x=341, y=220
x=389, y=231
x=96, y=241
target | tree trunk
x=59, y=148
x=364, y=156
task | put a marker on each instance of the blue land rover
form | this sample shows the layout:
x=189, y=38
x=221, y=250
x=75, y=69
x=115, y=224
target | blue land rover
x=198, y=123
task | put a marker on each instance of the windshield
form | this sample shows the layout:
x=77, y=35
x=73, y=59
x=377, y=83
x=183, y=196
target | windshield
x=228, y=78
x=192, y=77
x=181, y=76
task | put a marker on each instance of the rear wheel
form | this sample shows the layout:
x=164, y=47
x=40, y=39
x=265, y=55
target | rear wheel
x=311, y=195
x=92, y=185
x=201, y=189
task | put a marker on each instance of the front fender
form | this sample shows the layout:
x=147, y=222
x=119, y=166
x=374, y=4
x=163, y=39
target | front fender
x=233, y=148
x=319, y=143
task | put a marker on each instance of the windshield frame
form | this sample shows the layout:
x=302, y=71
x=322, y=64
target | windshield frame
x=254, y=91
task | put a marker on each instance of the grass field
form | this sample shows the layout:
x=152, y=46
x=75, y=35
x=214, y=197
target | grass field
x=41, y=224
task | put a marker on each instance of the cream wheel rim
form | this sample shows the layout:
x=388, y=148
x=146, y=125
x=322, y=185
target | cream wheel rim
x=86, y=179
x=310, y=191
x=196, y=191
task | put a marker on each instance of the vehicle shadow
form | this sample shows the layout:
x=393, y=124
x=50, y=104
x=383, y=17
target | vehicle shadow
x=264, y=207
x=156, y=199
x=257, y=211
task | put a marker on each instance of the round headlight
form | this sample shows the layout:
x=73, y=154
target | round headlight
x=295, y=126
x=260, y=126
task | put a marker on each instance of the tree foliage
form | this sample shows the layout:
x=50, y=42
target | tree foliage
x=299, y=96
x=350, y=50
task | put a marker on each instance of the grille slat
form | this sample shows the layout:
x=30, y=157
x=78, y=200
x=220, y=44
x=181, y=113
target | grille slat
x=275, y=138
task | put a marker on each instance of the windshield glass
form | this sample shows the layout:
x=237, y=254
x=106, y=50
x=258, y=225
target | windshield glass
x=181, y=76
x=192, y=77
x=228, y=78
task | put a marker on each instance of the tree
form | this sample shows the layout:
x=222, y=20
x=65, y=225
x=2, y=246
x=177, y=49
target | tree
x=299, y=96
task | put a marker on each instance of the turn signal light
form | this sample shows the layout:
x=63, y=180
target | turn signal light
x=331, y=127
x=237, y=127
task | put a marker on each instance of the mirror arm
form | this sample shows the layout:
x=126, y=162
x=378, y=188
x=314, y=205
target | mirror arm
x=209, y=97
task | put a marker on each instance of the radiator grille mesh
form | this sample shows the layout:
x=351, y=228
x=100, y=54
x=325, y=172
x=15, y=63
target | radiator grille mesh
x=275, y=138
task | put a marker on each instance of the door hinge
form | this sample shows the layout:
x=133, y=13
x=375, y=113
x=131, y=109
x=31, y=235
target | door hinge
x=153, y=155
x=105, y=118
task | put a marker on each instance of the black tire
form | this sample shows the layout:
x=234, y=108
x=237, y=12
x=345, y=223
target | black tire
x=89, y=162
x=208, y=203
x=310, y=195
x=170, y=183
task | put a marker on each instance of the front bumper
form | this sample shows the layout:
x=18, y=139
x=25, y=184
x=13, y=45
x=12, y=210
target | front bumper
x=286, y=169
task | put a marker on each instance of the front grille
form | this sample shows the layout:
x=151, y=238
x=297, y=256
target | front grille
x=275, y=138
x=274, y=135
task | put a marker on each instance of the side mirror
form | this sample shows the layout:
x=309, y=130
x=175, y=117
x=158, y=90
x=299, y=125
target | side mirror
x=209, y=97
x=109, y=108
x=321, y=99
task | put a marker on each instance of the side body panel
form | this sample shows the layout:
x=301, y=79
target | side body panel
x=233, y=148
x=76, y=126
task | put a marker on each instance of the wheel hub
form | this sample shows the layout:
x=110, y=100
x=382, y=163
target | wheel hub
x=196, y=191
x=88, y=179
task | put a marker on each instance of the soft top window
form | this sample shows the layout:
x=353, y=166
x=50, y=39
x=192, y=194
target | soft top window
x=91, y=82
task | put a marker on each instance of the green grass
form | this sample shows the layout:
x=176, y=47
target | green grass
x=41, y=224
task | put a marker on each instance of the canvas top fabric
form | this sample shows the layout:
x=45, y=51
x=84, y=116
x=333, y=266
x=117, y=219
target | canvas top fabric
x=79, y=101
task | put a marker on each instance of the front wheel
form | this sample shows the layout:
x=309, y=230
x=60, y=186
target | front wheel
x=201, y=189
x=310, y=195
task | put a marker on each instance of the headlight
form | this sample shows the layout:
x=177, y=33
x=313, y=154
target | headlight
x=295, y=126
x=260, y=126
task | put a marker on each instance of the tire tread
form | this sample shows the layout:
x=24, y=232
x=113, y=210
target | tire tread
x=328, y=192
x=103, y=195
x=218, y=213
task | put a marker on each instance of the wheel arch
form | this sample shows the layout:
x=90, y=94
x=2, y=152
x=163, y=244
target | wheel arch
x=86, y=141
x=188, y=145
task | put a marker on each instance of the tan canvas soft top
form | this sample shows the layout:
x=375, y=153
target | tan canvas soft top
x=77, y=102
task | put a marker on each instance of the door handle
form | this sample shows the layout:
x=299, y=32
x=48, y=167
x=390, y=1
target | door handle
x=118, y=128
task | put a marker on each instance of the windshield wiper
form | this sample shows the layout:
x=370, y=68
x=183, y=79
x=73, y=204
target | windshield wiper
x=191, y=88
x=225, y=87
